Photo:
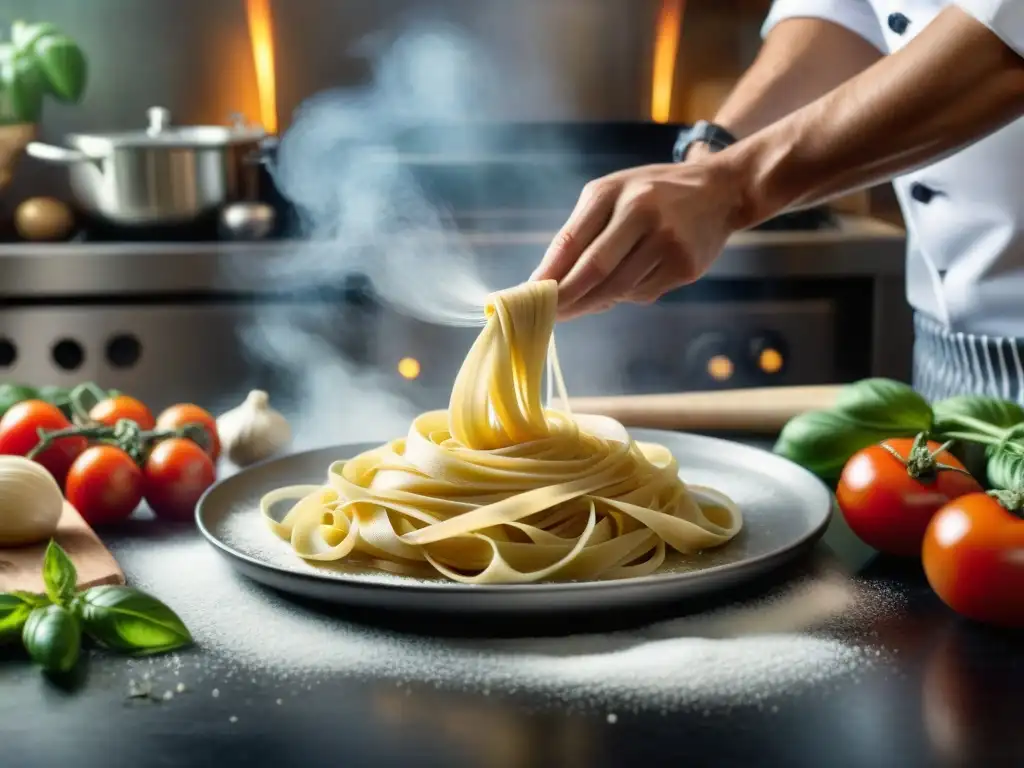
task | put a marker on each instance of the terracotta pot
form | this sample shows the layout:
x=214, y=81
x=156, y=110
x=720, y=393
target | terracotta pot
x=13, y=139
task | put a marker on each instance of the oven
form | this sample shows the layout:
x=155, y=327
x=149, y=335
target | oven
x=384, y=149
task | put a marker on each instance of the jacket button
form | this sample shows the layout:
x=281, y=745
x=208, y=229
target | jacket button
x=898, y=23
x=921, y=193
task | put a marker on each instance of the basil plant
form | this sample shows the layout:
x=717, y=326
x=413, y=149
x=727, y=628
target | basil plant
x=37, y=62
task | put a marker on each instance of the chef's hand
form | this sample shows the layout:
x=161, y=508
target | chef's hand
x=639, y=233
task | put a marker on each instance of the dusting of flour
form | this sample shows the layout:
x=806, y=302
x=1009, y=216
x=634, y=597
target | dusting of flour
x=733, y=656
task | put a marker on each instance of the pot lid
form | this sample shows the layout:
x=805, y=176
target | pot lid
x=160, y=133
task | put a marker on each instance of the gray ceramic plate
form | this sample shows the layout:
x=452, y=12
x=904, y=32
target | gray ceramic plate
x=785, y=510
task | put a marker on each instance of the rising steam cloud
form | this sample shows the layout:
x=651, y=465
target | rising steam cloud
x=363, y=213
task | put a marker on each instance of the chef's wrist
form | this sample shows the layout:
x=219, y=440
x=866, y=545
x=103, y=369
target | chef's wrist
x=700, y=140
x=759, y=172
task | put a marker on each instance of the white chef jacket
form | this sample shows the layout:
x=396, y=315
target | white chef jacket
x=964, y=214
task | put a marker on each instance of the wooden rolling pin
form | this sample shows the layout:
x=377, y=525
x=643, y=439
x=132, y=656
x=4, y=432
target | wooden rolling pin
x=762, y=410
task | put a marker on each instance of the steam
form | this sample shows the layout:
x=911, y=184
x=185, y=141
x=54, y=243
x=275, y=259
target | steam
x=338, y=163
x=363, y=213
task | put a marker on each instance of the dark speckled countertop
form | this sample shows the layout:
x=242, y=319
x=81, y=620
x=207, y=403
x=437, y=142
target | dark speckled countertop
x=834, y=662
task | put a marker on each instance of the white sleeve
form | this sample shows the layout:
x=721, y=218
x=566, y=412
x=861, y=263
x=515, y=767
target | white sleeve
x=855, y=15
x=1004, y=17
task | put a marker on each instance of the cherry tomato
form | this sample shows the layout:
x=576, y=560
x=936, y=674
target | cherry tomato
x=104, y=485
x=889, y=508
x=187, y=413
x=176, y=473
x=109, y=411
x=19, y=434
x=973, y=557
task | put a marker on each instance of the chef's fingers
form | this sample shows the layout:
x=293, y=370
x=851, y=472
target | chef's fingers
x=590, y=216
x=602, y=258
x=641, y=261
x=657, y=283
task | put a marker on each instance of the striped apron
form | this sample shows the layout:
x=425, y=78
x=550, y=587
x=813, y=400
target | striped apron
x=947, y=363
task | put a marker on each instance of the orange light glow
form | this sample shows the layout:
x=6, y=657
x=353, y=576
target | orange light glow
x=666, y=48
x=261, y=33
x=770, y=360
x=720, y=368
x=409, y=368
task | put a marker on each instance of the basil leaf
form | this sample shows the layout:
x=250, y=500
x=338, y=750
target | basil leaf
x=59, y=575
x=823, y=441
x=124, y=619
x=25, y=86
x=53, y=638
x=15, y=608
x=12, y=394
x=63, y=66
x=58, y=396
x=991, y=410
x=885, y=403
x=23, y=35
x=1005, y=470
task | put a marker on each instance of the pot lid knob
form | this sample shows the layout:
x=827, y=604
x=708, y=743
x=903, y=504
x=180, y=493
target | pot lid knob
x=159, y=119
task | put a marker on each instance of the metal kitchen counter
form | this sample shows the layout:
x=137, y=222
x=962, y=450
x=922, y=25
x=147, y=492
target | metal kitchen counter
x=826, y=665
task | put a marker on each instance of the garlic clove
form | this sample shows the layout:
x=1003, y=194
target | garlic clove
x=31, y=502
x=253, y=431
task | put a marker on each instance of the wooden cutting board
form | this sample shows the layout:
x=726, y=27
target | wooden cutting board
x=762, y=410
x=22, y=567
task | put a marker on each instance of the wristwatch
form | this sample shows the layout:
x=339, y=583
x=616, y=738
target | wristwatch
x=702, y=132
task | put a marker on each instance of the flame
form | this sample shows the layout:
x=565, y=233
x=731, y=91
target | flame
x=261, y=34
x=666, y=47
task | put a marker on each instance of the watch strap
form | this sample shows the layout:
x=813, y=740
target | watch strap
x=702, y=132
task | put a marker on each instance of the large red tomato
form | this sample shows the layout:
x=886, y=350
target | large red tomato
x=889, y=492
x=104, y=485
x=973, y=556
x=176, y=473
x=112, y=410
x=19, y=434
x=186, y=413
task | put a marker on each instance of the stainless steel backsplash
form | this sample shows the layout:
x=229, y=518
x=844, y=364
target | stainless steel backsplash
x=556, y=59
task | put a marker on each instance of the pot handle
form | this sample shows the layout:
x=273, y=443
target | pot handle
x=54, y=154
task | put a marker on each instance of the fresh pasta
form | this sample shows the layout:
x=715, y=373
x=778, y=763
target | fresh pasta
x=499, y=489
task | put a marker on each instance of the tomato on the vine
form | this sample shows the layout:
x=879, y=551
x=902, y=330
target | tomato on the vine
x=973, y=557
x=19, y=434
x=176, y=473
x=186, y=413
x=104, y=485
x=889, y=492
x=113, y=409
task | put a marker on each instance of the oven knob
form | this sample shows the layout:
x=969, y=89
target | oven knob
x=768, y=353
x=8, y=353
x=711, y=358
x=68, y=354
x=123, y=350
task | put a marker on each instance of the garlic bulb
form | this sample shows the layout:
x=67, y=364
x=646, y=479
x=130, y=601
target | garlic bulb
x=31, y=502
x=253, y=431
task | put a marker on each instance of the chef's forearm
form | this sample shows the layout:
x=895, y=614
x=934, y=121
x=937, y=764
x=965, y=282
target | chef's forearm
x=801, y=60
x=953, y=84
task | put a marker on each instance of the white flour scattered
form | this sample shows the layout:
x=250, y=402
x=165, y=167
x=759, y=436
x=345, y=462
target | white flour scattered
x=735, y=655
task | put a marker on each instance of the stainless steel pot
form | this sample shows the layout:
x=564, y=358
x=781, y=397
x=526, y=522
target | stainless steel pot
x=161, y=175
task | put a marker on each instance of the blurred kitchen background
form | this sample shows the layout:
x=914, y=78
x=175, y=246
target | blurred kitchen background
x=189, y=312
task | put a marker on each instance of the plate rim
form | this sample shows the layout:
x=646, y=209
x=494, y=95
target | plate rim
x=546, y=587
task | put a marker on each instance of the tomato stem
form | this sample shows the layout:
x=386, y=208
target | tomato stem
x=1012, y=501
x=125, y=434
x=83, y=399
x=921, y=463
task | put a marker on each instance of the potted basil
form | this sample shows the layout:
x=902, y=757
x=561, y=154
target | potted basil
x=37, y=62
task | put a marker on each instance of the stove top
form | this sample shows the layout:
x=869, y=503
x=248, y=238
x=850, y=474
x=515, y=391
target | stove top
x=507, y=221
